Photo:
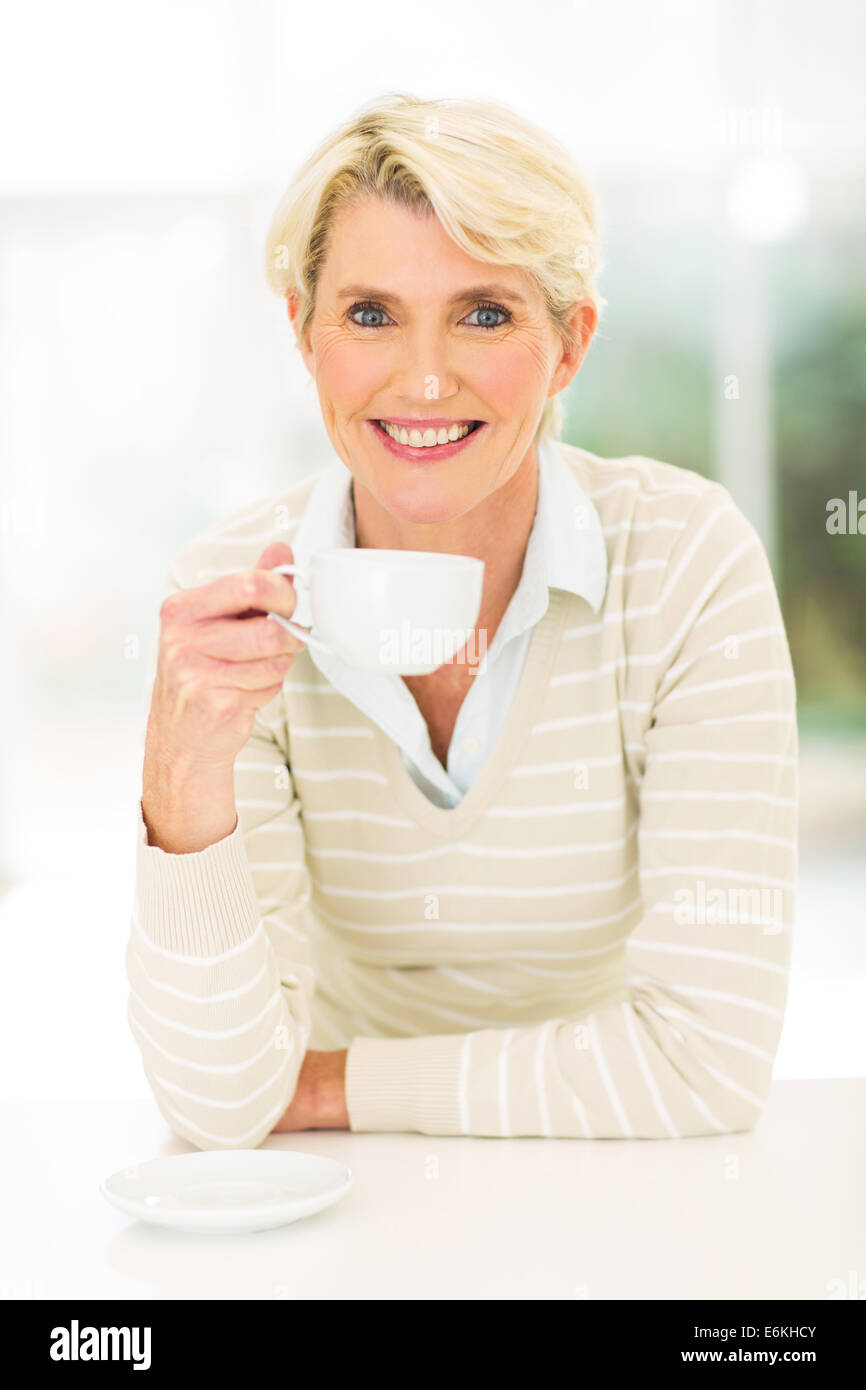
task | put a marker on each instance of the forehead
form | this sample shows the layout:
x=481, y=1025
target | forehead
x=402, y=249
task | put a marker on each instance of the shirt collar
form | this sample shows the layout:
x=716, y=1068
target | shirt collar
x=565, y=549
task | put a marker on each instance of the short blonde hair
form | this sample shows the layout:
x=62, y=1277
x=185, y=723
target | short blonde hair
x=504, y=190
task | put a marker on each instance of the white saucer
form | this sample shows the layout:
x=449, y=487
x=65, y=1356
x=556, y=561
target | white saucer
x=224, y=1190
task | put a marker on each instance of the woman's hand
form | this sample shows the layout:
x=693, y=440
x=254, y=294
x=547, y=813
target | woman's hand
x=319, y=1101
x=220, y=660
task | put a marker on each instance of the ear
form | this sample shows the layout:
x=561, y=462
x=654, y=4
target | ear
x=293, y=305
x=582, y=322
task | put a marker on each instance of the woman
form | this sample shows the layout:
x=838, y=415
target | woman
x=549, y=894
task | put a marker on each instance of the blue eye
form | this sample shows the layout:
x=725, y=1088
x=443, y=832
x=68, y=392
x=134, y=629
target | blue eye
x=488, y=310
x=366, y=310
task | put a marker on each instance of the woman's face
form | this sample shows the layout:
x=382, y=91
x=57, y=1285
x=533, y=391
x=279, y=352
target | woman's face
x=412, y=332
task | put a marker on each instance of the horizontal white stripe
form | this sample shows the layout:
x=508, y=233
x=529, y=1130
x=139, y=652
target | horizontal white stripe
x=754, y=634
x=488, y=928
x=483, y=986
x=649, y=493
x=334, y=731
x=209, y=1033
x=216, y=1068
x=670, y=909
x=217, y=959
x=767, y=717
x=570, y=765
x=720, y=605
x=396, y=822
x=481, y=851
x=629, y=526
x=718, y=796
x=706, y=755
x=729, y=683
x=474, y=890
x=215, y=998
x=653, y=659
x=716, y=871
x=223, y=1104
x=700, y=993
x=571, y=808
x=671, y=948
x=232, y=1141
x=617, y=616
x=750, y=836
x=277, y=865
x=722, y=1037
x=246, y=804
x=339, y=774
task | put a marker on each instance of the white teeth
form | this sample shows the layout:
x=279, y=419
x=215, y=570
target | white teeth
x=426, y=439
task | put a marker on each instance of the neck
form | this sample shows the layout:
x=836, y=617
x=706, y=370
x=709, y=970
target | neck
x=496, y=531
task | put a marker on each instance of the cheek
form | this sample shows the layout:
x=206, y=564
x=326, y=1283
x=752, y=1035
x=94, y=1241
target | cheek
x=510, y=372
x=347, y=373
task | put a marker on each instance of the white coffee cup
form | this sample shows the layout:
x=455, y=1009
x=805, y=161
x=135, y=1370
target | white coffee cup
x=401, y=611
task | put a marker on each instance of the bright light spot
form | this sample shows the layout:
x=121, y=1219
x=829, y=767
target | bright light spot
x=768, y=199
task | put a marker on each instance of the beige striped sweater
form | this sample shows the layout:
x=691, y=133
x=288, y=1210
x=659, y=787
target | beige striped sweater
x=594, y=943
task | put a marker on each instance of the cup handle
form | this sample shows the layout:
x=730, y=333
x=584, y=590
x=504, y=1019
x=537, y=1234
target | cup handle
x=295, y=628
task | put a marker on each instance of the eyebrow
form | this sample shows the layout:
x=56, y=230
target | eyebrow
x=476, y=292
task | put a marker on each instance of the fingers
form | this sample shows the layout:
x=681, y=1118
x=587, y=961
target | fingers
x=228, y=639
x=196, y=668
x=233, y=594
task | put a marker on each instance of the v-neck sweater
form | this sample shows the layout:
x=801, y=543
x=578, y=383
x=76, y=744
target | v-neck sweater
x=593, y=943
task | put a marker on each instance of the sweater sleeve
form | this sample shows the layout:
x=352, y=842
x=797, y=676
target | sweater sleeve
x=689, y=1048
x=219, y=961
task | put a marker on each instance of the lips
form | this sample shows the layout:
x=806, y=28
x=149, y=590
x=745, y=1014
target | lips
x=415, y=449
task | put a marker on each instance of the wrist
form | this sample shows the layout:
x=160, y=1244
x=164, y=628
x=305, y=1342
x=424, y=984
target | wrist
x=330, y=1091
x=184, y=808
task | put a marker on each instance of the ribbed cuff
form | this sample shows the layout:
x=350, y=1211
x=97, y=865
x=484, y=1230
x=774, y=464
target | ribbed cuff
x=198, y=904
x=405, y=1084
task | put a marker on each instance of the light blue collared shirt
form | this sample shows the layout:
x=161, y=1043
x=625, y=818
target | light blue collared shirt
x=565, y=550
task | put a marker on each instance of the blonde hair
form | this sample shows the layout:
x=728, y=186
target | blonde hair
x=504, y=190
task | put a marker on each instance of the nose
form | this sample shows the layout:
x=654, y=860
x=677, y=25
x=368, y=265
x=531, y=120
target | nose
x=424, y=368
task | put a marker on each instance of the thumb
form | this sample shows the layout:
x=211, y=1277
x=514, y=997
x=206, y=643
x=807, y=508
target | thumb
x=277, y=553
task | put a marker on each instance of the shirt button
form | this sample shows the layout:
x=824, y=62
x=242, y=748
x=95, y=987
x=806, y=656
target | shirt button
x=471, y=745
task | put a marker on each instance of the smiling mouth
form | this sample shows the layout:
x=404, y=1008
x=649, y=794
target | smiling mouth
x=427, y=438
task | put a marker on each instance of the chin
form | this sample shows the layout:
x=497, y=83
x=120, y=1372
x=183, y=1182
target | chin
x=423, y=501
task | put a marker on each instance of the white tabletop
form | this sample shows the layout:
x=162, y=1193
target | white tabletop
x=775, y=1213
